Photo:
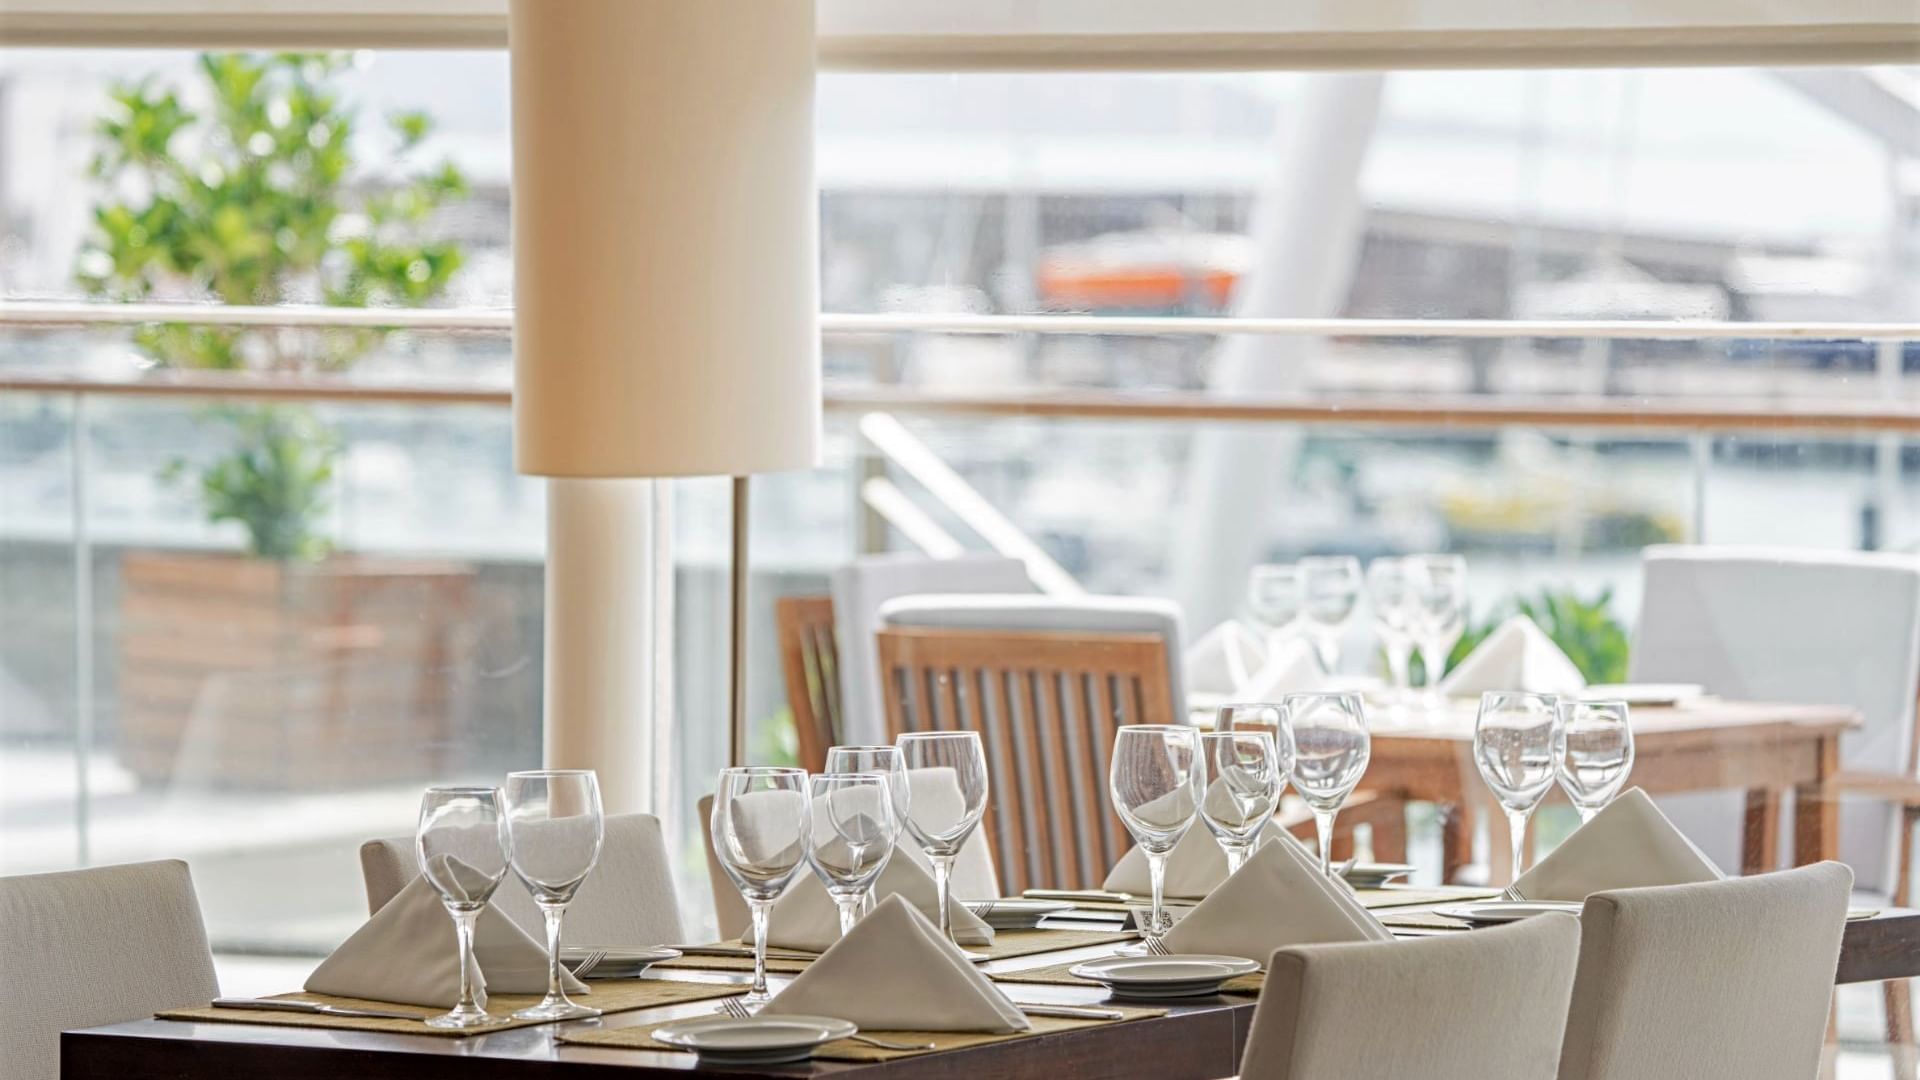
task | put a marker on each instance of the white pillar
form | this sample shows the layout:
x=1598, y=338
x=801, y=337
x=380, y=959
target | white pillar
x=1306, y=227
x=607, y=706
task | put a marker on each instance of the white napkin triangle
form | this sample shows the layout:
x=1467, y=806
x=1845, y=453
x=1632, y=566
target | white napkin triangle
x=1223, y=659
x=1291, y=668
x=805, y=916
x=1518, y=655
x=408, y=952
x=1629, y=844
x=1194, y=867
x=1279, y=898
x=895, y=972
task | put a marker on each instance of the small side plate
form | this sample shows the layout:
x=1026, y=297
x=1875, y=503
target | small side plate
x=1157, y=977
x=615, y=962
x=759, y=1040
x=1504, y=911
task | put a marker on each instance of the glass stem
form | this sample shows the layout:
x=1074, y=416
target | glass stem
x=849, y=913
x=1157, y=873
x=1430, y=660
x=762, y=916
x=1323, y=823
x=1587, y=812
x=463, y=922
x=1399, y=665
x=943, y=889
x=1517, y=826
x=553, y=912
x=1236, y=856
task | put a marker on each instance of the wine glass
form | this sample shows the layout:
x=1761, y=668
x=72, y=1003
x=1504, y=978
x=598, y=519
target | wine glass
x=1242, y=773
x=1156, y=787
x=1331, y=585
x=1390, y=600
x=1513, y=744
x=1593, y=753
x=1439, y=613
x=556, y=827
x=1275, y=596
x=880, y=759
x=1331, y=748
x=760, y=814
x=942, y=830
x=464, y=851
x=851, y=838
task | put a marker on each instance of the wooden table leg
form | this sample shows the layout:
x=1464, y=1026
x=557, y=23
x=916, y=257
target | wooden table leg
x=1456, y=840
x=1760, y=842
x=1816, y=811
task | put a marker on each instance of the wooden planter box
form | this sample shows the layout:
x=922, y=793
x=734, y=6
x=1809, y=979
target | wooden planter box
x=239, y=672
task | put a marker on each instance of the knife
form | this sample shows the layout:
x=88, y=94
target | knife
x=296, y=1006
x=1073, y=1012
x=1093, y=895
x=743, y=950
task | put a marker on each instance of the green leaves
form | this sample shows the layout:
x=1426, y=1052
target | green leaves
x=1584, y=629
x=274, y=482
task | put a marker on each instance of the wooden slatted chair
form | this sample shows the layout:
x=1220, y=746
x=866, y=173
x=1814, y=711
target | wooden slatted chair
x=810, y=661
x=1046, y=705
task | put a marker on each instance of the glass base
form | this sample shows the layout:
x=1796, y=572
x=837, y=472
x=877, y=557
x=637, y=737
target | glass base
x=556, y=1008
x=754, y=1002
x=464, y=1016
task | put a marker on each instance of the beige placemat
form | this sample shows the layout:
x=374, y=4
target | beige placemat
x=1056, y=975
x=609, y=995
x=640, y=1037
x=1007, y=944
x=1408, y=896
x=1422, y=921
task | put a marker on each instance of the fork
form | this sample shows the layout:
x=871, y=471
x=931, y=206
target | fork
x=737, y=1009
x=1156, y=947
x=591, y=961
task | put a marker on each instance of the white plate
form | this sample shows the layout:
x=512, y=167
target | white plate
x=618, y=963
x=760, y=1040
x=1500, y=911
x=1365, y=875
x=1153, y=977
x=1019, y=914
x=1643, y=693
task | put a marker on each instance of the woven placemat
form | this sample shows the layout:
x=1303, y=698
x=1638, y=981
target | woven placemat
x=1007, y=944
x=1408, y=896
x=608, y=995
x=1056, y=975
x=640, y=1037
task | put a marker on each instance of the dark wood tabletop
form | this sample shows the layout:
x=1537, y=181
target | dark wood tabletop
x=1197, y=1039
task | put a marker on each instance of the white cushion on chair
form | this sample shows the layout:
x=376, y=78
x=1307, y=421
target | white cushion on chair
x=91, y=947
x=1721, y=980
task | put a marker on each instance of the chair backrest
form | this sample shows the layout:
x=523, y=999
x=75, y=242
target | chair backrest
x=1723, y=980
x=810, y=660
x=627, y=900
x=1790, y=626
x=860, y=587
x=1459, y=1007
x=1046, y=704
x=99, y=946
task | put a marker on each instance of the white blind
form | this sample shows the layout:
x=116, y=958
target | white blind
x=947, y=35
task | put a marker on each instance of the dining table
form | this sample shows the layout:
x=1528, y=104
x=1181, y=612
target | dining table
x=1194, y=1039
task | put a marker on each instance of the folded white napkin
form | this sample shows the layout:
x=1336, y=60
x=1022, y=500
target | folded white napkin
x=805, y=916
x=1291, y=668
x=1629, y=844
x=408, y=952
x=1223, y=659
x=936, y=792
x=1517, y=655
x=1279, y=898
x=895, y=972
x=1194, y=866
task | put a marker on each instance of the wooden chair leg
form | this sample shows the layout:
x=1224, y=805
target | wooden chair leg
x=1898, y=994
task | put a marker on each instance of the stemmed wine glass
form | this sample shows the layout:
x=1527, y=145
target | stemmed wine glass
x=1390, y=600
x=464, y=851
x=1155, y=781
x=1331, y=748
x=886, y=760
x=943, y=829
x=1513, y=744
x=1331, y=584
x=851, y=838
x=1593, y=753
x=1243, y=773
x=556, y=828
x=760, y=814
x=1276, y=594
x=1439, y=613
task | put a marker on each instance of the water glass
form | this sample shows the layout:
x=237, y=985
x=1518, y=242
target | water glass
x=1276, y=595
x=942, y=830
x=1243, y=773
x=760, y=816
x=877, y=759
x=1155, y=781
x=1331, y=748
x=852, y=837
x=464, y=852
x=1331, y=585
x=1439, y=614
x=1513, y=744
x=1593, y=753
x=1390, y=601
x=556, y=827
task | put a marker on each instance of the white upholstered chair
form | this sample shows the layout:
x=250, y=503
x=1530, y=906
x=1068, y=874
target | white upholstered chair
x=862, y=586
x=1723, y=980
x=1475, y=1006
x=627, y=900
x=90, y=947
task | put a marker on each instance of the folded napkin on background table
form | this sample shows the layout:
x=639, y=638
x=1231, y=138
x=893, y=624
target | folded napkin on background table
x=1517, y=655
x=408, y=952
x=1629, y=844
x=1291, y=668
x=805, y=916
x=1223, y=659
x=1279, y=898
x=895, y=972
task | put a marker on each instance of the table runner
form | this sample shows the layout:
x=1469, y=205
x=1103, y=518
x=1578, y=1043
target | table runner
x=1007, y=944
x=640, y=1037
x=1056, y=975
x=609, y=996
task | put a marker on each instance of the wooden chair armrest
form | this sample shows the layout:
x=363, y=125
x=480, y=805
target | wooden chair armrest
x=1892, y=787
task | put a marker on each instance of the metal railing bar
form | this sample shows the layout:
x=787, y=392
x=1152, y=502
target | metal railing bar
x=49, y=314
x=915, y=524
